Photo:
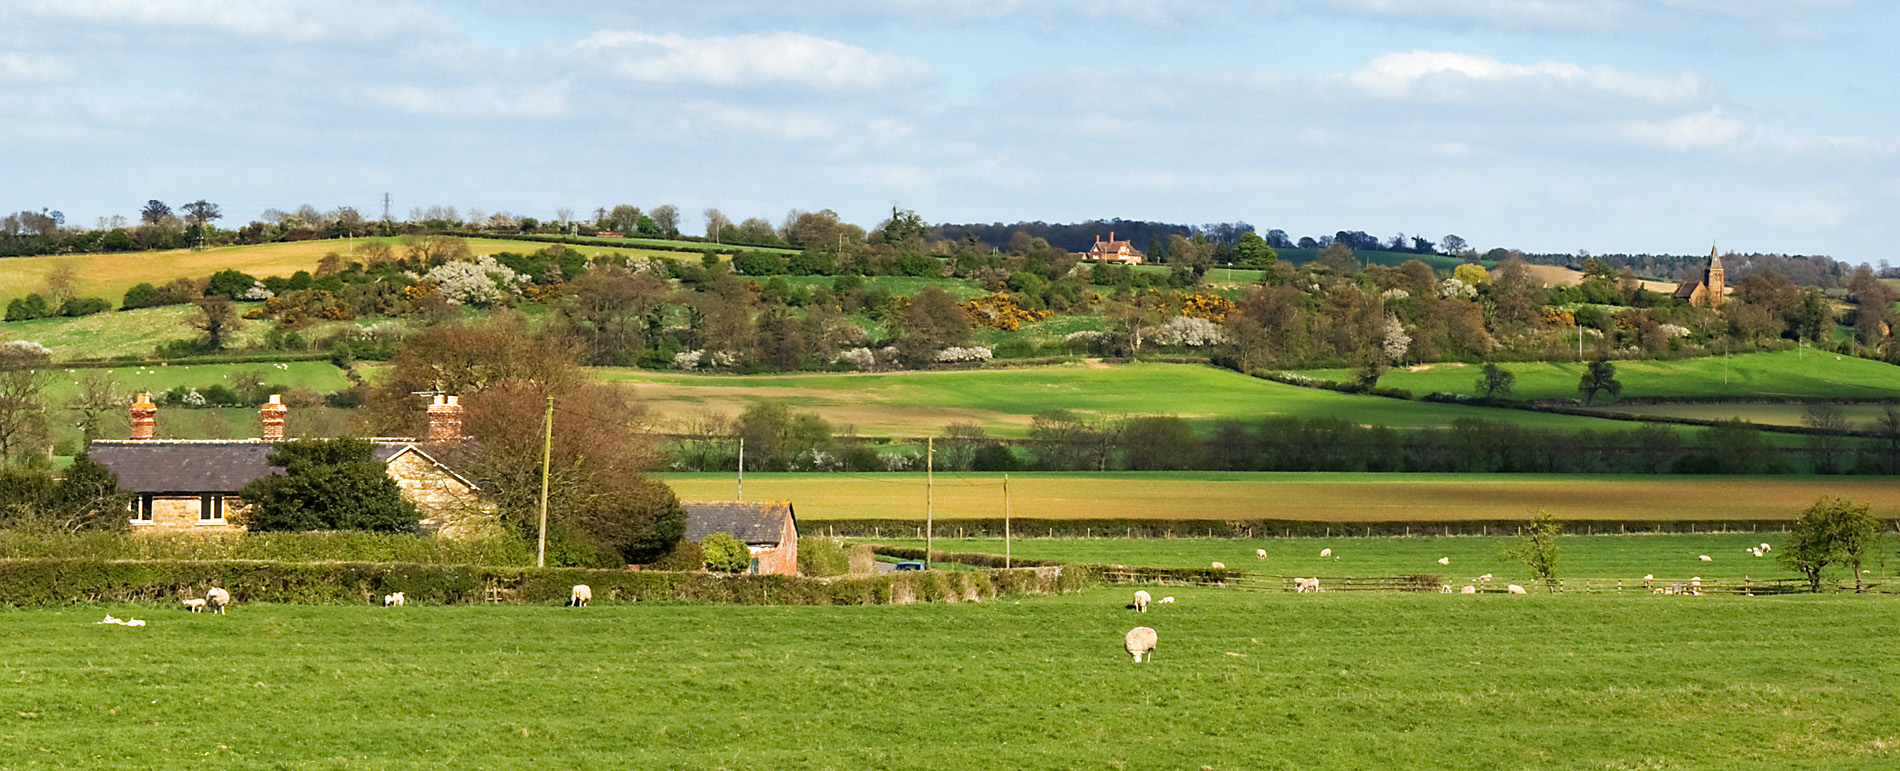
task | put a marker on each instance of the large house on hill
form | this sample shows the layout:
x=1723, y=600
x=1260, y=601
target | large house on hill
x=1112, y=251
x=192, y=485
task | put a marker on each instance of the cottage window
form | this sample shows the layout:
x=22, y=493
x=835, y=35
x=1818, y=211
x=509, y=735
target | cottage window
x=211, y=507
x=141, y=507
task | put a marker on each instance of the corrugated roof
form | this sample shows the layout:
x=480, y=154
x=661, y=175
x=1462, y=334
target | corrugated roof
x=752, y=522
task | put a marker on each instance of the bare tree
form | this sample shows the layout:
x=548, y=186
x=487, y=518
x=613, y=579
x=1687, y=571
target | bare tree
x=97, y=404
x=23, y=379
x=216, y=319
x=715, y=222
x=1829, y=422
x=564, y=215
x=667, y=217
x=201, y=212
x=61, y=282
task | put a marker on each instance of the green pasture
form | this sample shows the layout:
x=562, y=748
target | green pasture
x=898, y=286
x=1004, y=400
x=1238, y=681
x=1751, y=375
x=1860, y=416
x=1314, y=497
x=320, y=376
x=116, y=333
x=1667, y=556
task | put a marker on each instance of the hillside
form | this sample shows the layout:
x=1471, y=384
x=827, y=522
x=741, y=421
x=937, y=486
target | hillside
x=1778, y=374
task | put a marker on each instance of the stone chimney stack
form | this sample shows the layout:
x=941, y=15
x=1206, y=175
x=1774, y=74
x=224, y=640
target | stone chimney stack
x=144, y=418
x=272, y=413
x=445, y=418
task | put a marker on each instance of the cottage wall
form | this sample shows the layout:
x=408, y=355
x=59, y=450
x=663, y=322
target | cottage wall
x=781, y=560
x=180, y=514
x=449, y=508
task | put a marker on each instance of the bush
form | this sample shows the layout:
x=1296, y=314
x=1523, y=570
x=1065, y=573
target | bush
x=820, y=556
x=28, y=308
x=230, y=283
x=758, y=264
x=84, y=306
x=919, y=265
x=686, y=556
x=725, y=554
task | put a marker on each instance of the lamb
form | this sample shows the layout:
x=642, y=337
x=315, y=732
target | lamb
x=1706, y=558
x=1306, y=584
x=195, y=605
x=1695, y=586
x=1444, y=588
x=1756, y=552
x=1766, y=547
x=1484, y=579
x=1514, y=589
x=1167, y=600
x=1138, y=641
x=1444, y=560
x=1469, y=589
x=216, y=599
x=1219, y=566
x=1325, y=552
x=1260, y=553
x=580, y=595
x=1649, y=581
x=393, y=600
x=1141, y=602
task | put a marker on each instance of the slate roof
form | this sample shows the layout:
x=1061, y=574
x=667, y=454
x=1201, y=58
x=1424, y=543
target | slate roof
x=210, y=466
x=752, y=522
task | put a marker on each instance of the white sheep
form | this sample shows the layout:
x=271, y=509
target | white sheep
x=1325, y=552
x=1167, y=600
x=1444, y=588
x=1260, y=553
x=1306, y=584
x=1469, y=589
x=1756, y=552
x=1138, y=641
x=1706, y=558
x=1444, y=560
x=580, y=595
x=1219, y=566
x=1514, y=589
x=216, y=599
x=195, y=605
x=1649, y=580
x=1141, y=601
x=1766, y=547
x=393, y=600
x=1484, y=579
x=1695, y=586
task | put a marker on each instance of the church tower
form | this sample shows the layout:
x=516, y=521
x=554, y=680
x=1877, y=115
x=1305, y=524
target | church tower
x=1715, y=279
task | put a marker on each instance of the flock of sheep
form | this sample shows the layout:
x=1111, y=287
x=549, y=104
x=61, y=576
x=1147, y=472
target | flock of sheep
x=216, y=599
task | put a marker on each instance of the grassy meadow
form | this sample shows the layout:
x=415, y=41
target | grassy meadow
x=918, y=404
x=1316, y=497
x=1749, y=375
x=1239, y=681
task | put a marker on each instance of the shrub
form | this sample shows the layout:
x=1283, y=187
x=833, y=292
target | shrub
x=758, y=264
x=28, y=308
x=725, y=554
x=84, y=306
x=686, y=556
x=230, y=283
x=820, y=556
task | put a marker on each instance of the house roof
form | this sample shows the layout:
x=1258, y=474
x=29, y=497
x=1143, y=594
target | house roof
x=755, y=523
x=211, y=466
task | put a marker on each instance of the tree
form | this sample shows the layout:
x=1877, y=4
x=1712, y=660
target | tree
x=716, y=221
x=932, y=322
x=623, y=219
x=667, y=218
x=1254, y=252
x=905, y=228
x=1887, y=426
x=201, y=212
x=1830, y=421
x=23, y=379
x=87, y=497
x=725, y=554
x=328, y=484
x=1537, y=547
x=1832, y=531
x=154, y=212
x=96, y=403
x=217, y=319
x=1495, y=381
x=1453, y=244
x=1599, y=377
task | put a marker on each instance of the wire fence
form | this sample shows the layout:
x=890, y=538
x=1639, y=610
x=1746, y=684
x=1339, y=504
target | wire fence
x=1691, y=586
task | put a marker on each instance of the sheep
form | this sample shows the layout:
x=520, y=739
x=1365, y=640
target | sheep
x=1649, y=581
x=1444, y=560
x=1138, y=641
x=1706, y=558
x=580, y=595
x=1167, y=600
x=1260, y=553
x=1766, y=547
x=393, y=600
x=216, y=599
x=1695, y=586
x=1514, y=589
x=1444, y=588
x=1484, y=579
x=195, y=605
x=1469, y=589
x=1756, y=552
x=1325, y=552
x=1306, y=584
x=1219, y=566
x=1141, y=602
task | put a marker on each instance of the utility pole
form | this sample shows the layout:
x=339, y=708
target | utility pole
x=741, y=494
x=1005, y=521
x=547, y=449
x=930, y=496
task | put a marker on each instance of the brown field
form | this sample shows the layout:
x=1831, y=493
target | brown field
x=1313, y=497
x=1558, y=275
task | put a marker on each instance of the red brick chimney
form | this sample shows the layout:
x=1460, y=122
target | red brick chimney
x=445, y=418
x=144, y=418
x=272, y=413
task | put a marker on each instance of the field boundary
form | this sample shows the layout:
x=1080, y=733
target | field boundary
x=993, y=527
x=1436, y=584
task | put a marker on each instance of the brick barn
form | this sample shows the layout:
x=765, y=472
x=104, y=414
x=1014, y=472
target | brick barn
x=769, y=530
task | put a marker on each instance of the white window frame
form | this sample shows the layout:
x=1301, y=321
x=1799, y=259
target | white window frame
x=141, y=508
x=211, y=507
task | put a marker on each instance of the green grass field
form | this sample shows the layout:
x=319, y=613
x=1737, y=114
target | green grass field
x=1776, y=374
x=1668, y=556
x=1317, y=497
x=1861, y=416
x=1238, y=681
x=1003, y=401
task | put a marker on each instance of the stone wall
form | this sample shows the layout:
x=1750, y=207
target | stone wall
x=449, y=507
x=180, y=514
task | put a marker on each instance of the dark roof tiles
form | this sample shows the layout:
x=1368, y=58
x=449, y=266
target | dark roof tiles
x=754, y=523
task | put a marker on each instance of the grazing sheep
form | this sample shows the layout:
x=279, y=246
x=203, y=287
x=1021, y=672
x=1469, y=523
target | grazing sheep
x=580, y=595
x=195, y=605
x=1141, y=602
x=1756, y=552
x=394, y=600
x=1219, y=566
x=1706, y=558
x=1695, y=586
x=1484, y=579
x=1138, y=641
x=1444, y=560
x=1514, y=589
x=1260, y=553
x=1167, y=600
x=1766, y=547
x=1649, y=581
x=1469, y=589
x=216, y=599
x=1306, y=584
x=1444, y=588
x=1325, y=552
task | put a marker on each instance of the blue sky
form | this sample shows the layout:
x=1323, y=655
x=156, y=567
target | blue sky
x=1546, y=125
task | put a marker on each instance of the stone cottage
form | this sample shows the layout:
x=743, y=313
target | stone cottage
x=769, y=530
x=192, y=486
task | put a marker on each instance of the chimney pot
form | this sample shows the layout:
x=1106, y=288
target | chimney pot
x=272, y=414
x=144, y=418
x=445, y=418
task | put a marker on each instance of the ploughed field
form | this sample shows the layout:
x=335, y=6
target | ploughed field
x=1240, y=680
x=1319, y=497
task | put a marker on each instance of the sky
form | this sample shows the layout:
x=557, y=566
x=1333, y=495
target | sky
x=1661, y=126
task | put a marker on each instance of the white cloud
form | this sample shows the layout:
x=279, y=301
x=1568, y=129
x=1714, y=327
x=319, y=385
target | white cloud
x=481, y=100
x=787, y=125
x=1710, y=128
x=266, y=19
x=749, y=60
x=17, y=67
x=1451, y=76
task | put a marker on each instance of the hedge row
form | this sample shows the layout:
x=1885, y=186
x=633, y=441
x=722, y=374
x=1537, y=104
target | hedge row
x=43, y=582
x=1119, y=573
x=330, y=546
x=1252, y=528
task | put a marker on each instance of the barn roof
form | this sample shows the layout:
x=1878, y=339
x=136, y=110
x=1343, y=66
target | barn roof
x=756, y=523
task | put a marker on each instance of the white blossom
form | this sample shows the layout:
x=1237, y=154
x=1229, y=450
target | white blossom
x=1395, y=293
x=1188, y=331
x=481, y=281
x=1455, y=288
x=1084, y=336
x=257, y=292
x=23, y=349
x=1672, y=330
x=955, y=354
x=1395, y=342
x=687, y=359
